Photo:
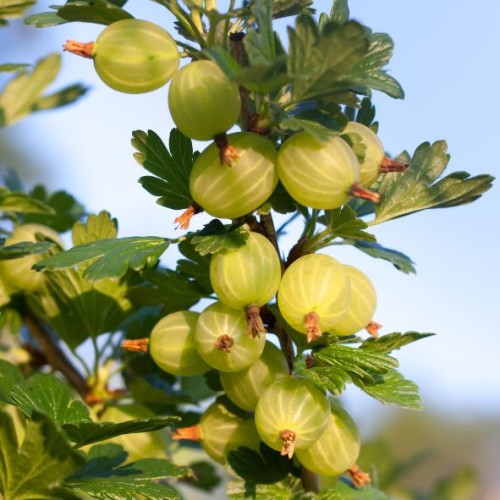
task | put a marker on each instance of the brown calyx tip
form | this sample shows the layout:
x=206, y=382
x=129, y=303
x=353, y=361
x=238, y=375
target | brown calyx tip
x=358, y=191
x=227, y=153
x=288, y=438
x=184, y=219
x=82, y=49
x=224, y=343
x=390, y=165
x=373, y=328
x=255, y=326
x=311, y=323
x=192, y=433
x=135, y=345
x=359, y=478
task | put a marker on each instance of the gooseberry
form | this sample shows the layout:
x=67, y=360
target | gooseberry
x=222, y=340
x=291, y=414
x=172, y=346
x=337, y=449
x=17, y=273
x=233, y=191
x=244, y=388
x=314, y=294
x=220, y=431
x=131, y=55
x=247, y=277
x=203, y=101
x=362, y=305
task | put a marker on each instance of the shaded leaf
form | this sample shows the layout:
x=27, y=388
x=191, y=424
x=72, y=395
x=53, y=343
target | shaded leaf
x=344, y=491
x=113, y=257
x=419, y=188
x=285, y=8
x=340, y=12
x=65, y=209
x=22, y=249
x=266, y=467
x=10, y=376
x=398, y=259
x=31, y=469
x=22, y=203
x=196, y=266
x=204, y=476
x=88, y=432
x=171, y=169
x=259, y=39
x=94, y=11
x=216, y=237
x=104, y=476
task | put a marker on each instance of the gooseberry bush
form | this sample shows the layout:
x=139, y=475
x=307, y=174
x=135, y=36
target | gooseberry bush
x=126, y=376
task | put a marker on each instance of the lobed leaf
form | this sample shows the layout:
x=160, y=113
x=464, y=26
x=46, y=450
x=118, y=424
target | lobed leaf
x=10, y=376
x=196, y=266
x=22, y=249
x=32, y=469
x=112, y=257
x=171, y=169
x=216, y=237
x=344, y=491
x=419, y=188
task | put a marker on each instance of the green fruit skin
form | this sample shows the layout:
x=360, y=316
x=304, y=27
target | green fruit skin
x=17, y=273
x=203, y=101
x=314, y=283
x=222, y=432
x=138, y=445
x=172, y=345
x=244, y=388
x=247, y=275
x=317, y=174
x=369, y=168
x=292, y=404
x=231, y=192
x=217, y=320
x=337, y=449
x=135, y=56
x=362, y=306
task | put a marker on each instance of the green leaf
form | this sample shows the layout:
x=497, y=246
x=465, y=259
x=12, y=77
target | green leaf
x=285, y=8
x=333, y=380
x=12, y=67
x=196, y=266
x=172, y=290
x=104, y=476
x=171, y=169
x=343, y=223
x=320, y=62
x=259, y=40
x=288, y=489
x=10, y=376
x=419, y=188
x=216, y=237
x=11, y=9
x=22, y=95
x=316, y=129
x=266, y=467
x=46, y=394
x=393, y=389
x=22, y=203
x=343, y=491
x=340, y=12
x=367, y=72
x=97, y=227
x=460, y=484
x=398, y=259
x=61, y=98
x=88, y=432
x=64, y=209
x=92, y=11
x=281, y=201
x=21, y=249
x=362, y=363
x=390, y=342
x=113, y=257
x=31, y=469
x=204, y=476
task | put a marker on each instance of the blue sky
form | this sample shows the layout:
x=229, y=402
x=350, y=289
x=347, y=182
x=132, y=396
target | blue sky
x=446, y=58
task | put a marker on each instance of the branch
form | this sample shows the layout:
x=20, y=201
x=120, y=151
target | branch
x=55, y=356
